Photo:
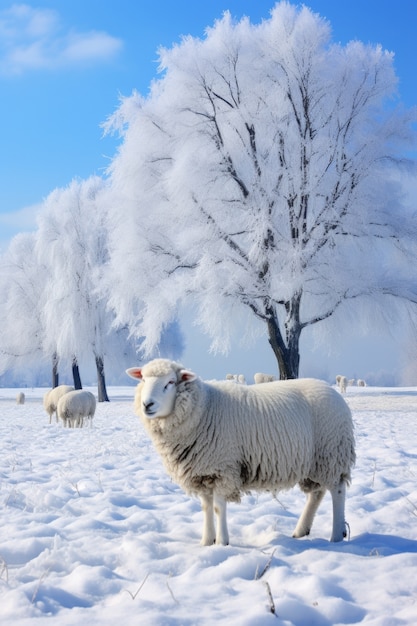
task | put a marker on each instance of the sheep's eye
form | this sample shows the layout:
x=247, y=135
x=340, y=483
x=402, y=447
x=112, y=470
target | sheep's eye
x=169, y=384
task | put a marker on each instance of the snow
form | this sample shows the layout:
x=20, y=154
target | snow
x=94, y=532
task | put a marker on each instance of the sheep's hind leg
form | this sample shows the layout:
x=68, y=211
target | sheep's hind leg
x=209, y=532
x=220, y=508
x=338, y=494
x=305, y=522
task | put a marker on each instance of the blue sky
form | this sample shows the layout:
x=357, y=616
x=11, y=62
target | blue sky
x=64, y=64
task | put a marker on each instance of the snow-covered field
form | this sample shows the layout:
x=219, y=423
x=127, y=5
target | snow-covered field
x=94, y=532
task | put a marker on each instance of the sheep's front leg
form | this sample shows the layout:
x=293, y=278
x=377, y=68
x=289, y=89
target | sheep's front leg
x=338, y=494
x=214, y=504
x=307, y=516
x=220, y=508
x=209, y=532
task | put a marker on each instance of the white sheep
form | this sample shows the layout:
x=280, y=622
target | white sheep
x=20, y=398
x=237, y=378
x=220, y=440
x=51, y=398
x=361, y=383
x=76, y=405
x=263, y=378
x=342, y=383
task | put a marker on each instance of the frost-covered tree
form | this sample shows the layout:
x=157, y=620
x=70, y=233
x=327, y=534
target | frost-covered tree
x=256, y=181
x=71, y=243
x=21, y=295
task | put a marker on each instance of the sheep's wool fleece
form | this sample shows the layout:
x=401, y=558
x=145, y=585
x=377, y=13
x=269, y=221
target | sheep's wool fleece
x=51, y=397
x=237, y=438
x=76, y=404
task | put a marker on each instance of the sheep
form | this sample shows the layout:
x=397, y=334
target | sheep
x=342, y=383
x=361, y=383
x=20, y=398
x=74, y=406
x=263, y=378
x=51, y=397
x=220, y=440
x=237, y=378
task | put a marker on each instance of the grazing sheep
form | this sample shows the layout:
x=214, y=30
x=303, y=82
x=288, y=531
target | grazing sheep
x=361, y=383
x=20, y=398
x=220, y=440
x=50, y=399
x=263, y=378
x=74, y=406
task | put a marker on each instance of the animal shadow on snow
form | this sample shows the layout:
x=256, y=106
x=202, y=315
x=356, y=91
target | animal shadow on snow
x=366, y=544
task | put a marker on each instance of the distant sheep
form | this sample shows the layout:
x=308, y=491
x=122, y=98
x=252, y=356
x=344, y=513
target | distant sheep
x=361, y=383
x=51, y=397
x=263, y=378
x=237, y=378
x=219, y=440
x=342, y=383
x=74, y=406
x=20, y=398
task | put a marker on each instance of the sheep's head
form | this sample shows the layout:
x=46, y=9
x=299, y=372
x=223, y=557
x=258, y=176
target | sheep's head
x=158, y=389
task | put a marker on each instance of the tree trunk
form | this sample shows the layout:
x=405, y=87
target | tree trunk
x=288, y=356
x=76, y=374
x=101, y=380
x=55, y=374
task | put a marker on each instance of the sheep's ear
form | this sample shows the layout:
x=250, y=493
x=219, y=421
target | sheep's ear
x=134, y=372
x=186, y=376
